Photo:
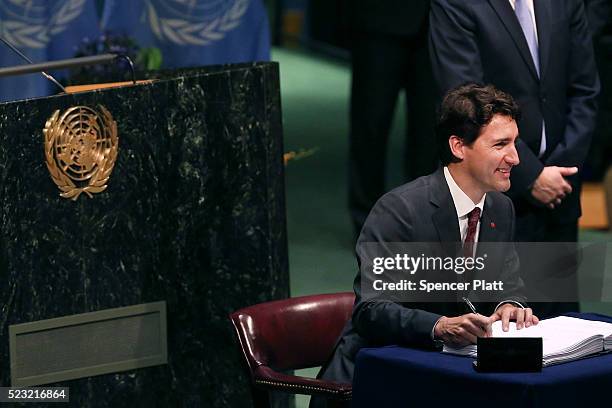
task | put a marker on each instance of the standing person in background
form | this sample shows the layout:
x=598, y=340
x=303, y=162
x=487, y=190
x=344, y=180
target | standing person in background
x=389, y=53
x=541, y=53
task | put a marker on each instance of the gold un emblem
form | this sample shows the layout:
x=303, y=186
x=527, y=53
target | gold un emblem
x=81, y=149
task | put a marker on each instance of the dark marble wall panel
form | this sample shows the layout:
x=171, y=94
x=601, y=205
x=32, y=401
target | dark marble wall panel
x=194, y=214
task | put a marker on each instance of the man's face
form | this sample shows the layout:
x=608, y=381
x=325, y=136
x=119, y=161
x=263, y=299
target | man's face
x=489, y=160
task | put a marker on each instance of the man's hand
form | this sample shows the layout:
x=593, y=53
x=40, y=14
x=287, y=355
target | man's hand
x=551, y=187
x=508, y=311
x=462, y=330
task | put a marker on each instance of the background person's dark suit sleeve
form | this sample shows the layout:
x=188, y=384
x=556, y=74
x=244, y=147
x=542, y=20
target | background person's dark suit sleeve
x=599, y=13
x=457, y=57
x=453, y=45
x=582, y=91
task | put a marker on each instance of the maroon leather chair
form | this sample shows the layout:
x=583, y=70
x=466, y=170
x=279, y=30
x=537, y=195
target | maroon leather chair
x=292, y=334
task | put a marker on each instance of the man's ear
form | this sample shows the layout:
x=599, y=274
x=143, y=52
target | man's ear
x=456, y=146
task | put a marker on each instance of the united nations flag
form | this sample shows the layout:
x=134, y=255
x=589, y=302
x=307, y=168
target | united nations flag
x=44, y=30
x=194, y=32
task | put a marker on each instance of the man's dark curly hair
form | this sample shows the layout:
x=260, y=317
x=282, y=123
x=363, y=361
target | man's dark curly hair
x=465, y=110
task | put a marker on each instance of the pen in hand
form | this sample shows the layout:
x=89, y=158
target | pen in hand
x=486, y=328
x=470, y=305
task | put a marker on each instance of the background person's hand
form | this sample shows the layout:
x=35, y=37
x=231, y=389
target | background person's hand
x=508, y=311
x=551, y=186
x=462, y=330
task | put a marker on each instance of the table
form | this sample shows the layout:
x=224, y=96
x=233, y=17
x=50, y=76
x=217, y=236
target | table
x=402, y=377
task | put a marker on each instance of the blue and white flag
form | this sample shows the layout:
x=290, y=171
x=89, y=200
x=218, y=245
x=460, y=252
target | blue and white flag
x=193, y=32
x=44, y=30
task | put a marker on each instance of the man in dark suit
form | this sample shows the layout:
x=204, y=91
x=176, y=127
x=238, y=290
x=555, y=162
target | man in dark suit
x=541, y=53
x=460, y=203
x=389, y=54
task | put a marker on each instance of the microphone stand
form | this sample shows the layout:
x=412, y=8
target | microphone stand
x=60, y=64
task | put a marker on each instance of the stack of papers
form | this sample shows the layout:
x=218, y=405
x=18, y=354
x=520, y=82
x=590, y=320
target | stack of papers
x=563, y=339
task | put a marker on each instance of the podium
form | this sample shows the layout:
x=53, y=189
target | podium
x=192, y=217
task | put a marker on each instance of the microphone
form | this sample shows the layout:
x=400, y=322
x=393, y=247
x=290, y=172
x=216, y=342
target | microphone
x=29, y=61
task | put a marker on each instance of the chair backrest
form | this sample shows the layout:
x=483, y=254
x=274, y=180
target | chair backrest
x=292, y=333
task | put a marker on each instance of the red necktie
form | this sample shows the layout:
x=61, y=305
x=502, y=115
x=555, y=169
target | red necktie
x=468, y=244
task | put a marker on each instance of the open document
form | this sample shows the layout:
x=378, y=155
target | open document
x=563, y=338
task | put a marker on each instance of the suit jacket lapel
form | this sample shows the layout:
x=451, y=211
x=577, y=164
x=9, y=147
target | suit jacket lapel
x=542, y=15
x=508, y=18
x=445, y=217
x=488, y=227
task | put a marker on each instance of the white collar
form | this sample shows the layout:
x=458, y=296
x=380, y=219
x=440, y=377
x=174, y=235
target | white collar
x=463, y=203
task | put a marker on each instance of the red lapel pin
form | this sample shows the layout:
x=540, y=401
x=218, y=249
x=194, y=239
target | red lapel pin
x=492, y=224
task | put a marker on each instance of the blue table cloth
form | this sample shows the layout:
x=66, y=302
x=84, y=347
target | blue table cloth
x=402, y=377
